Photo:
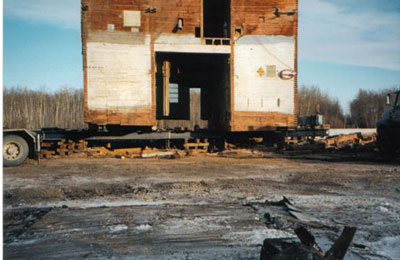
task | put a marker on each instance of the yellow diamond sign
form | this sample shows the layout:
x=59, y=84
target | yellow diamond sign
x=261, y=71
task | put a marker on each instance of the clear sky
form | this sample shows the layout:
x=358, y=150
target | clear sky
x=344, y=46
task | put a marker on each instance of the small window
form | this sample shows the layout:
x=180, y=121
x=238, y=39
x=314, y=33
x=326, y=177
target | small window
x=197, y=32
x=173, y=93
x=397, y=102
x=209, y=41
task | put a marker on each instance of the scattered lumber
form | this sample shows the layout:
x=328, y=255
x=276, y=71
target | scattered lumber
x=62, y=148
x=306, y=238
x=340, y=247
x=341, y=141
x=101, y=152
x=275, y=249
x=294, y=146
x=159, y=154
x=197, y=144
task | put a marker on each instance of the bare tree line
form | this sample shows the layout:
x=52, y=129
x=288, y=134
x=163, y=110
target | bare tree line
x=368, y=107
x=35, y=109
x=365, y=109
x=310, y=97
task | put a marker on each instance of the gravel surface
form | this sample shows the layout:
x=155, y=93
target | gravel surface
x=198, y=207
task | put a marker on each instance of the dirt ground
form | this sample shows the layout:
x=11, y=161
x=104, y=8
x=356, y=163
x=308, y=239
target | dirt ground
x=198, y=207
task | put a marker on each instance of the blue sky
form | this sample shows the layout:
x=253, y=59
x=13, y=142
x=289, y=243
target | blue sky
x=343, y=45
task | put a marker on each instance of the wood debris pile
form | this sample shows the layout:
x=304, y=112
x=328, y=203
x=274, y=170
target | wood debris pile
x=355, y=139
x=62, y=148
x=284, y=215
x=254, y=147
x=276, y=249
x=103, y=152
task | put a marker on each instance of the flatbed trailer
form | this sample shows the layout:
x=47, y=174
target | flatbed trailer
x=20, y=144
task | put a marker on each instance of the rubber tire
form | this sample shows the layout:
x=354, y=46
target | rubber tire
x=22, y=146
x=385, y=142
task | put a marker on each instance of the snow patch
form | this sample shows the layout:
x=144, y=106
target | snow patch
x=256, y=237
x=387, y=247
x=382, y=209
x=21, y=243
x=144, y=227
x=118, y=228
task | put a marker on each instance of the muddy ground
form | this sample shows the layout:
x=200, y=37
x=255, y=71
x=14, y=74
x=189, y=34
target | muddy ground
x=198, y=207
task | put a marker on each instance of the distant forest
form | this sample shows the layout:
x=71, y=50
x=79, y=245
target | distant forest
x=35, y=109
x=32, y=109
x=365, y=109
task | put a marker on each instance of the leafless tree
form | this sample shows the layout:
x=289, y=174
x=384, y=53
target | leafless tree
x=32, y=109
x=311, y=96
x=368, y=107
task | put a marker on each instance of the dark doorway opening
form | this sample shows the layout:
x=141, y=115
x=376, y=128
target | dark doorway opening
x=216, y=18
x=194, y=92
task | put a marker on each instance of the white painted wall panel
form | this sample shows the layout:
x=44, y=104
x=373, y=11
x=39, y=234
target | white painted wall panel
x=119, y=76
x=254, y=91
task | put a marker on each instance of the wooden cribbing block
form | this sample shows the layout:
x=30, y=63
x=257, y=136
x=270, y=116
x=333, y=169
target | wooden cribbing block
x=136, y=150
x=47, y=144
x=196, y=145
x=64, y=152
x=46, y=154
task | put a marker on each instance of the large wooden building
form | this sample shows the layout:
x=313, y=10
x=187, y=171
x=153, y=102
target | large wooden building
x=219, y=64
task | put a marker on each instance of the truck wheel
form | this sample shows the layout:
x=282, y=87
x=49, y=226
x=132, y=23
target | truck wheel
x=385, y=143
x=15, y=150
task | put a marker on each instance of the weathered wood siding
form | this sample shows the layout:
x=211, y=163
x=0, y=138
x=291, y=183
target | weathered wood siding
x=119, y=61
x=117, y=66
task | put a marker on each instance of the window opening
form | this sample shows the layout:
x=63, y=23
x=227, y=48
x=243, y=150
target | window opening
x=197, y=32
x=173, y=93
x=216, y=18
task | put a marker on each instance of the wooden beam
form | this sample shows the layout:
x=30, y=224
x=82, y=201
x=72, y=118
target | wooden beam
x=166, y=76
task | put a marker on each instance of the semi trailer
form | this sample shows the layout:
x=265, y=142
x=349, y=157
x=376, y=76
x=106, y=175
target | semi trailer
x=20, y=144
